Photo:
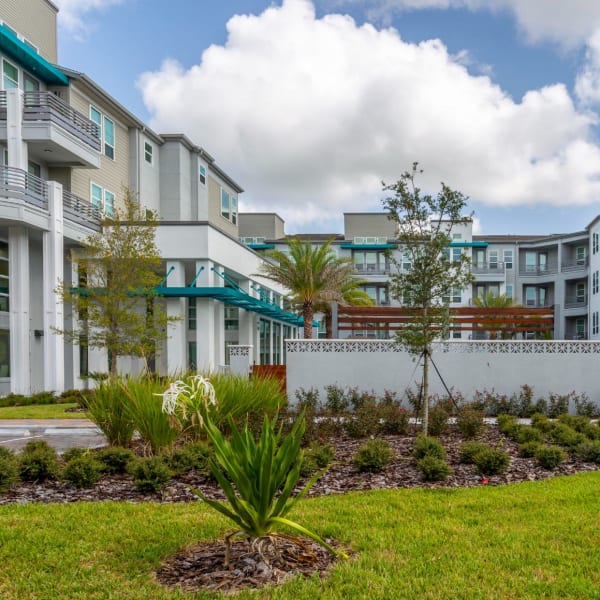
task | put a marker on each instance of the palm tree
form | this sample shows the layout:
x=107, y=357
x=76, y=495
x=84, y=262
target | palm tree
x=491, y=300
x=313, y=276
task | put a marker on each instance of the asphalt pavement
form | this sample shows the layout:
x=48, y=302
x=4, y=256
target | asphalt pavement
x=60, y=433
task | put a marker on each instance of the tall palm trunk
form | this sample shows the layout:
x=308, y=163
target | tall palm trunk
x=307, y=313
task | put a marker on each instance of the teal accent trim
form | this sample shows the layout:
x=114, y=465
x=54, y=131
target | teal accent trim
x=31, y=60
x=193, y=283
x=261, y=246
x=234, y=297
x=351, y=246
x=469, y=244
x=167, y=276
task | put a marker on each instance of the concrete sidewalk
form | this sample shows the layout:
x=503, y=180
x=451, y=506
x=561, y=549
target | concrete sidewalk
x=59, y=433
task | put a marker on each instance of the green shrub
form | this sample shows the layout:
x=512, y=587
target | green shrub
x=506, y=423
x=591, y=431
x=150, y=474
x=373, y=456
x=115, y=460
x=38, y=462
x=73, y=453
x=434, y=469
x=318, y=456
x=336, y=402
x=469, y=450
x=566, y=436
x=578, y=423
x=6, y=452
x=41, y=398
x=364, y=422
x=9, y=472
x=558, y=404
x=491, y=461
x=589, y=451
x=394, y=418
x=528, y=449
x=107, y=408
x=585, y=407
x=541, y=422
x=524, y=433
x=428, y=446
x=438, y=419
x=469, y=421
x=307, y=400
x=191, y=457
x=550, y=457
x=83, y=471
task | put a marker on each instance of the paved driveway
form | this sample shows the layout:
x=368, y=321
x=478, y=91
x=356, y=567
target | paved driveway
x=60, y=433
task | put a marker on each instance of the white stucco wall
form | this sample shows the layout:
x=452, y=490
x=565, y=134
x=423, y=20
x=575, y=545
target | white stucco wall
x=504, y=366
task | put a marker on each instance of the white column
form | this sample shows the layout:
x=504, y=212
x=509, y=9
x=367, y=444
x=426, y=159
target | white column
x=20, y=334
x=176, y=342
x=53, y=316
x=17, y=149
x=72, y=322
x=207, y=336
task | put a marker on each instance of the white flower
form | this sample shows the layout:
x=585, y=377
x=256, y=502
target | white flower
x=170, y=398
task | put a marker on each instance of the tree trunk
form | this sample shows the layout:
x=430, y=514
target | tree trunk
x=425, y=391
x=307, y=313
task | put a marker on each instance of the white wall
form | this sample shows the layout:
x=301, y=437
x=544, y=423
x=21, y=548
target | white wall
x=504, y=366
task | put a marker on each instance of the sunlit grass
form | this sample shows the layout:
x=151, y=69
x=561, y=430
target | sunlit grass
x=532, y=540
x=42, y=411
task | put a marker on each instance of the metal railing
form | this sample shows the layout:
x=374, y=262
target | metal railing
x=81, y=211
x=574, y=265
x=576, y=301
x=488, y=268
x=17, y=183
x=46, y=106
x=2, y=105
x=372, y=269
x=538, y=270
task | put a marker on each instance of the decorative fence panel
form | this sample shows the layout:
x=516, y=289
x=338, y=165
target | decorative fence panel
x=466, y=366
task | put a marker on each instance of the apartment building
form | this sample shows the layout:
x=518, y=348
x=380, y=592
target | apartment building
x=67, y=152
x=559, y=270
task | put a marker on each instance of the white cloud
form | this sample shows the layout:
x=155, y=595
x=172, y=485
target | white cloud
x=566, y=22
x=72, y=13
x=587, y=83
x=311, y=114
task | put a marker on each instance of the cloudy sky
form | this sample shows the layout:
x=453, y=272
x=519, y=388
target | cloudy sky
x=310, y=104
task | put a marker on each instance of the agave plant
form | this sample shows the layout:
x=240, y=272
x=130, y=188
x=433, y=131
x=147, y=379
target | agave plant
x=258, y=478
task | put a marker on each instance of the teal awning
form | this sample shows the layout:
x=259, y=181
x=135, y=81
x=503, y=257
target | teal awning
x=234, y=298
x=30, y=59
x=469, y=244
x=261, y=246
x=351, y=246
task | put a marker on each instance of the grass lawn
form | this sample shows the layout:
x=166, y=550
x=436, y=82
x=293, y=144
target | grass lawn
x=533, y=540
x=41, y=411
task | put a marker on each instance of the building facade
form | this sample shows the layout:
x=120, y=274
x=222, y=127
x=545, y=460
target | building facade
x=68, y=151
x=559, y=270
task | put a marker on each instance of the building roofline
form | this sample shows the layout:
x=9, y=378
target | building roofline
x=262, y=214
x=52, y=6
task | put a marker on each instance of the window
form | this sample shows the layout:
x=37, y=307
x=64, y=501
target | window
x=580, y=254
x=493, y=259
x=457, y=236
x=148, y=149
x=106, y=129
x=10, y=75
x=530, y=296
x=595, y=278
x=530, y=262
x=34, y=169
x=509, y=291
x=30, y=84
x=595, y=323
x=455, y=298
x=234, y=210
x=4, y=353
x=192, y=356
x=103, y=200
x=109, y=204
x=370, y=261
x=232, y=318
x=225, y=204
x=580, y=292
x=202, y=174
x=595, y=242
x=508, y=259
x=580, y=328
x=192, y=313
x=406, y=264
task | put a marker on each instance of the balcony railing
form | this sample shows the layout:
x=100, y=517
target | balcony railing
x=2, y=105
x=492, y=268
x=16, y=183
x=46, y=106
x=80, y=211
x=574, y=265
x=538, y=270
x=371, y=269
x=576, y=301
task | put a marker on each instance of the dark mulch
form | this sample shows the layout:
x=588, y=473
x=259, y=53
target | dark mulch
x=203, y=566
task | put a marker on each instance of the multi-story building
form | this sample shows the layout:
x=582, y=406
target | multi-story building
x=559, y=270
x=67, y=152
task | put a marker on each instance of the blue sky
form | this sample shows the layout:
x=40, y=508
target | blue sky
x=310, y=105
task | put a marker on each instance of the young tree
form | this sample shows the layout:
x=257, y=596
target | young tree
x=116, y=302
x=312, y=274
x=424, y=225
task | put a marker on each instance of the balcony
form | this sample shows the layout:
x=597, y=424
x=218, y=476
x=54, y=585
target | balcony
x=580, y=264
x=371, y=269
x=493, y=268
x=56, y=133
x=24, y=198
x=579, y=301
x=538, y=270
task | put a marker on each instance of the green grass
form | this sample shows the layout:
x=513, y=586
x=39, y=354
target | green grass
x=41, y=411
x=532, y=540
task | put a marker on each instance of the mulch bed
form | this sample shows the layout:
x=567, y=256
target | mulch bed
x=202, y=566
